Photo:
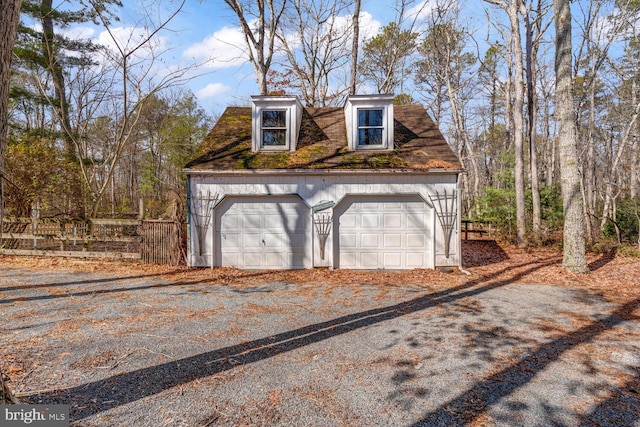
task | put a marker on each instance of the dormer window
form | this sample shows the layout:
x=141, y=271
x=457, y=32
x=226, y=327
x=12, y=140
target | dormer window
x=276, y=122
x=274, y=128
x=370, y=126
x=369, y=121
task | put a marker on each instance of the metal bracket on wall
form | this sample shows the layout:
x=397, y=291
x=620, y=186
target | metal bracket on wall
x=322, y=223
x=446, y=209
x=201, y=212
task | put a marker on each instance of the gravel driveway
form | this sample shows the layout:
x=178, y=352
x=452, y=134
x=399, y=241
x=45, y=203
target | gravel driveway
x=148, y=351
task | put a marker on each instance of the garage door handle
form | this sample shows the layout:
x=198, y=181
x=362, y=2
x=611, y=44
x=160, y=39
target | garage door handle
x=263, y=243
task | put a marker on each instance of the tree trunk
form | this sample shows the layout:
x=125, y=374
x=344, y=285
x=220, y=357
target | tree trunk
x=10, y=13
x=518, y=125
x=590, y=171
x=50, y=52
x=354, y=52
x=531, y=53
x=574, y=246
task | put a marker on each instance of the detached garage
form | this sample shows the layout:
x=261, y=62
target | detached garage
x=369, y=186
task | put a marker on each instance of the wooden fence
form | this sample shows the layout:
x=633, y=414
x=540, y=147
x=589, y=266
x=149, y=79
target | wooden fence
x=150, y=241
x=161, y=242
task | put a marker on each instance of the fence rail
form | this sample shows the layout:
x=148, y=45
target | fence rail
x=153, y=242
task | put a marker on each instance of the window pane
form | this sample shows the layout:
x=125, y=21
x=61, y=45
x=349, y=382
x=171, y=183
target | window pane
x=274, y=119
x=274, y=137
x=369, y=118
x=370, y=136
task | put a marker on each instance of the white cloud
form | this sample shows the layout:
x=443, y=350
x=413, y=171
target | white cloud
x=212, y=90
x=422, y=10
x=369, y=26
x=224, y=48
x=79, y=33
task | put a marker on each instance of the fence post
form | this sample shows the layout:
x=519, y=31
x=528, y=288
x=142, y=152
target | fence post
x=34, y=224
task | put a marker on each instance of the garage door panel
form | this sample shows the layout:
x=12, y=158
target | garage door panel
x=392, y=240
x=369, y=259
x=273, y=259
x=273, y=240
x=390, y=206
x=231, y=240
x=415, y=221
x=393, y=260
x=298, y=241
x=389, y=233
x=251, y=259
x=416, y=240
x=348, y=240
x=370, y=221
x=263, y=232
x=272, y=221
x=296, y=259
x=230, y=259
x=349, y=220
x=230, y=221
x=415, y=259
x=250, y=241
x=251, y=221
x=369, y=240
x=348, y=259
x=393, y=220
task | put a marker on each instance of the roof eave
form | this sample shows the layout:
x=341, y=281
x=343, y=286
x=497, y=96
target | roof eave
x=319, y=171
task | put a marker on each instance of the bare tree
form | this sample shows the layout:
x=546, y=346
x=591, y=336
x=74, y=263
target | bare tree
x=533, y=15
x=514, y=8
x=573, y=240
x=260, y=39
x=316, y=43
x=447, y=68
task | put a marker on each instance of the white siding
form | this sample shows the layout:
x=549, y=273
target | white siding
x=331, y=186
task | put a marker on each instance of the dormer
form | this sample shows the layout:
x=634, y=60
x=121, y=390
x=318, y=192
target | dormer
x=275, y=122
x=369, y=122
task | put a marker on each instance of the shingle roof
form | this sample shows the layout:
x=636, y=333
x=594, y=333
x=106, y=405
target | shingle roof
x=322, y=144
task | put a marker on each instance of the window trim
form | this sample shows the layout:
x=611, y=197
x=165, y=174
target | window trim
x=293, y=118
x=357, y=103
x=285, y=128
x=359, y=144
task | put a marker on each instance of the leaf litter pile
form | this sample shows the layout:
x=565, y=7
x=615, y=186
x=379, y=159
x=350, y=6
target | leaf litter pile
x=617, y=278
x=614, y=278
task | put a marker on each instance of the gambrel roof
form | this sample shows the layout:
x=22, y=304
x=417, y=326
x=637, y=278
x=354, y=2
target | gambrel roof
x=322, y=144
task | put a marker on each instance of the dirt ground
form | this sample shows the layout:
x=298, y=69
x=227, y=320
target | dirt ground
x=518, y=341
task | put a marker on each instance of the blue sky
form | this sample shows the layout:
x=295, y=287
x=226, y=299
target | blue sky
x=208, y=31
x=212, y=33
x=206, y=34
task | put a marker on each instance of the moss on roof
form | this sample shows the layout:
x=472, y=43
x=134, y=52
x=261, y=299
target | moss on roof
x=322, y=144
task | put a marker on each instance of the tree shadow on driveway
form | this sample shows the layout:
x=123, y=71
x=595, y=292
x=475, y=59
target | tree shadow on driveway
x=88, y=399
x=470, y=405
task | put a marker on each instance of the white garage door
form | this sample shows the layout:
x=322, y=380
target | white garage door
x=268, y=232
x=384, y=232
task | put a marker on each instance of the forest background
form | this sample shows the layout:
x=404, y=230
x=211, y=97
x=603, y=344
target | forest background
x=96, y=125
